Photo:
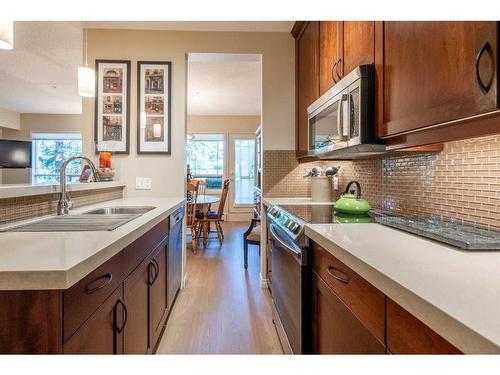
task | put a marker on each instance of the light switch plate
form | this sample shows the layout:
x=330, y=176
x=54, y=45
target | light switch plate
x=143, y=183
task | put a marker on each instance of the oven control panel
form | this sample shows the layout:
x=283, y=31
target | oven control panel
x=285, y=220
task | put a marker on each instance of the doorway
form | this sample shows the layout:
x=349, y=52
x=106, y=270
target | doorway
x=224, y=110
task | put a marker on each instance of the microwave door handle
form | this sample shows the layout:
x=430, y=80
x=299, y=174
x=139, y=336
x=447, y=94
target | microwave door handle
x=347, y=113
x=339, y=119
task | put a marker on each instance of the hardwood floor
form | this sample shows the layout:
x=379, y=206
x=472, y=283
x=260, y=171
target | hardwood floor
x=223, y=309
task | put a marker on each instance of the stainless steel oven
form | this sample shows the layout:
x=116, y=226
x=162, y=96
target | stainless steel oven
x=342, y=121
x=290, y=281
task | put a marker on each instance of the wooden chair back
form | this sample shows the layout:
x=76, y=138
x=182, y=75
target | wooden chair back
x=191, y=205
x=223, y=197
x=202, y=186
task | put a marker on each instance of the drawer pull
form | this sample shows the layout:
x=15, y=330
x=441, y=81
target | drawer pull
x=153, y=264
x=125, y=315
x=107, y=279
x=337, y=275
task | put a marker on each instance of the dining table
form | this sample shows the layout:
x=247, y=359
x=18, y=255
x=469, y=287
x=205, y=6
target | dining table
x=204, y=202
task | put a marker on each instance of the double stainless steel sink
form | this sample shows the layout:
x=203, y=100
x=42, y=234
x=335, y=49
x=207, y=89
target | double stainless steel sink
x=101, y=219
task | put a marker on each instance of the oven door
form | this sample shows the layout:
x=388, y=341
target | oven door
x=329, y=124
x=287, y=261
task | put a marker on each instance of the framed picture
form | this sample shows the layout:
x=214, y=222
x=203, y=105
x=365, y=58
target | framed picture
x=153, y=107
x=112, y=106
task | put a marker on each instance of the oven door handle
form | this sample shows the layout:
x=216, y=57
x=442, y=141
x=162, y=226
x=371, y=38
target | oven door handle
x=296, y=253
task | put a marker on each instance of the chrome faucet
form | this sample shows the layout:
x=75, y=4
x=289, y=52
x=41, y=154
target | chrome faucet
x=64, y=203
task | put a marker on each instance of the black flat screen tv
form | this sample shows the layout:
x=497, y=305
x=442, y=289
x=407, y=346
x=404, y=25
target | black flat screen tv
x=15, y=154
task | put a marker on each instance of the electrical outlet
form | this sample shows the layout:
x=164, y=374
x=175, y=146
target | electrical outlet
x=335, y=183
x=143, y=183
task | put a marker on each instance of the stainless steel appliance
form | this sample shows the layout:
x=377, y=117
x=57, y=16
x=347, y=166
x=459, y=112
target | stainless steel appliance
x=174, y=270
x=291, y=268
x=342, y=121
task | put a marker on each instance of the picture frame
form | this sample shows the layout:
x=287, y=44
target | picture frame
x=112, y=106
x=154, y=107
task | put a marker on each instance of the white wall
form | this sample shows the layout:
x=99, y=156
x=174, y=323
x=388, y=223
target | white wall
x=9, y=119
x=278, y=117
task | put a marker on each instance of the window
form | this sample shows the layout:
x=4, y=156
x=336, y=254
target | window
x=244, y=181
x=49, y=152
x=205, y=158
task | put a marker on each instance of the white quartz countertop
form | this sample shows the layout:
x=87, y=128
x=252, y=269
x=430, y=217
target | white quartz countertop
x=455, y=292
x=291, y=201
x=57, y=260
x=24, y=190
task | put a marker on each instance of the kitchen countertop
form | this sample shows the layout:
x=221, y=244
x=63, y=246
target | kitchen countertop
x=24, y=190
x=291, y=201
x=454, y=292
x=57, y=260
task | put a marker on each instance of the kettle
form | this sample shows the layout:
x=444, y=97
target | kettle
x=352, y=203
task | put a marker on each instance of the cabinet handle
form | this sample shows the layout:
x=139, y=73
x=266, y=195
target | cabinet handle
x=334, y=273
x=107, y=279
x=125, y=315
x=151, y=265
x=339, y=77
x=157, y=269
x=484, y=88
x=332, y=73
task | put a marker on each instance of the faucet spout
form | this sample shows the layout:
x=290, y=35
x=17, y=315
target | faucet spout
x=64, y=203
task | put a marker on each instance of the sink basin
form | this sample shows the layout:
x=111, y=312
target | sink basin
x=136, y=210
x=75, y=223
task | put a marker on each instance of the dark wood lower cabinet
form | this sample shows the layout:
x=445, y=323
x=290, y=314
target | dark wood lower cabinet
x=408, y=335
x=335, y=329
x=102, y=332
x=121, y=307
x=136, y=296
x=158, y=294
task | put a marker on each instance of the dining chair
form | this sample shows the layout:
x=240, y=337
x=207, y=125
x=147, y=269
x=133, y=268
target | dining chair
x=216, y=217
x=192, y=223
x=251, y=237
x=202, y=186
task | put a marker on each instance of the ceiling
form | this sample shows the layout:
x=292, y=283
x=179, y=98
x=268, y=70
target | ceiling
x=242, y=26
x=40, y=74
x=224, y=84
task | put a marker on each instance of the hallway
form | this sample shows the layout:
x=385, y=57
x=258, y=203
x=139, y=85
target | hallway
x=223, y=309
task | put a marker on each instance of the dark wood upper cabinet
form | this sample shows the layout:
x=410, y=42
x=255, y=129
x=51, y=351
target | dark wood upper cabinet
x=102, y=332
x=436, y=72
x=307, y=79
x=335, y=328
x=358, y=44
x=330, y=52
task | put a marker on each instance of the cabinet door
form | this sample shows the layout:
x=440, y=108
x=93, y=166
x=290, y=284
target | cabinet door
x=359, y=45
x=408, y=335
x=330, y=47
x=136, y=296
x=158, y=292
x=336, y=330
x=307, y=87
x=102, y=332
x=430, y=74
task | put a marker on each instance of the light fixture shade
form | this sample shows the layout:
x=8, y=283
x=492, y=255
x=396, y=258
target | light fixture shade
x=6, y=34
x=86, y=82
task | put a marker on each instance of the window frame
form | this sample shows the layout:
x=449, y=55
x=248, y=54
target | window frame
x=51, y=136
x=223, y=139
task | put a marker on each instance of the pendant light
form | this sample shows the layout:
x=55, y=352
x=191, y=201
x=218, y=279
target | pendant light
x=6, y=34
x=86, y=77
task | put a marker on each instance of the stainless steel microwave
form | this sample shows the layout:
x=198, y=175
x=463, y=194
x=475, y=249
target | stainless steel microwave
x=342, y=121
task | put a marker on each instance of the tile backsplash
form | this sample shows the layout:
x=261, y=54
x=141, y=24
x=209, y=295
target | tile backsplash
x=461, y=182
x=22, y=208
